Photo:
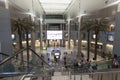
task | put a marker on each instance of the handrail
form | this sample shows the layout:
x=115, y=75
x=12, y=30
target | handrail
x=4, y=54
x=19, y=52
x=12, y=56
x=39, y=56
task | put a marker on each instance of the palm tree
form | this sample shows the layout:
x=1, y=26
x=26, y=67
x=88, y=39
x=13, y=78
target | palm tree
x=27, y=24
x=98, y=25
x=87, y=25
x=17, y=27
x=23, y=26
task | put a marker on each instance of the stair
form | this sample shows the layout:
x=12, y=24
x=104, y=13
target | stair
x=59, y=76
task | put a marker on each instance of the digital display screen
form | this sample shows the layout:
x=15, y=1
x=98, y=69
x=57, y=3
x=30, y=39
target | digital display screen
x=13, y=36
x=57, y=53
x=29, y=36
x=93, y=36
x=99, y=46
x=54, y=35
x=57, y=56
x=110, y=38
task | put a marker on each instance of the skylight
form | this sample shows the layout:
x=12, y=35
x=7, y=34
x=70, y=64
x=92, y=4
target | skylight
x=55, y=6
x=56, y=1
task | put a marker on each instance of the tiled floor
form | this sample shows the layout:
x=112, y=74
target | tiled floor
x=64, y=49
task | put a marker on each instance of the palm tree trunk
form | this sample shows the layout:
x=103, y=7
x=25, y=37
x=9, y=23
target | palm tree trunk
x=96, y=40
x=27, y=45
x=88, y=45
x=20, y=44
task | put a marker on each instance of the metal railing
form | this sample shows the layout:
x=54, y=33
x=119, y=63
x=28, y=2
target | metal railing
x=12, y=66
x=77, y=73
x=103, y=73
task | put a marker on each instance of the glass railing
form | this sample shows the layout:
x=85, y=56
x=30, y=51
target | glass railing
x=104, y=75
x=32, y=63
x=78, y=73
x=3, y=56
x=101, y=66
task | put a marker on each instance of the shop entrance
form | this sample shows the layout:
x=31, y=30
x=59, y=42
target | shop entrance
x=54, y=43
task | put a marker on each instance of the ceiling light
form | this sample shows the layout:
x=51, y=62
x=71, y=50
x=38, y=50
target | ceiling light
x=54, y=6
x=56, y=1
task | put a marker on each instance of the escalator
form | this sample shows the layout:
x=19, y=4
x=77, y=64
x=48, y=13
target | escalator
x=34, y=68
x=3, y=56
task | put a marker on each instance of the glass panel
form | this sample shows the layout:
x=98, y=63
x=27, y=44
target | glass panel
x=17, y=66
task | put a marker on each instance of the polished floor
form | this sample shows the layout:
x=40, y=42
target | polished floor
x=65, y=49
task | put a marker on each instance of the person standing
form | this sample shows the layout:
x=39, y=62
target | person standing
x=94, y=64
x=115, y=62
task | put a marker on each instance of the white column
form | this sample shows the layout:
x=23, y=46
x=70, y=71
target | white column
x=118, y=8
x=68, y=24
x=33, y=40
x=6, y=4
x=41, y=35
x=79, y=36
x=32, y=34
x=61, y=27
x=33, y=45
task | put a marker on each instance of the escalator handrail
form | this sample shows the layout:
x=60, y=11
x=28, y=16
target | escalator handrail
x=3, y=54
x=19, y=52
x=12, y=56
x=39, y=56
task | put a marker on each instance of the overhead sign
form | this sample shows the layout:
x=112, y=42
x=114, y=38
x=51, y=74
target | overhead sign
x=54, y=35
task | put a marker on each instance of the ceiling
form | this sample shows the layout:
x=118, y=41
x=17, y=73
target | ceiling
x=55, y=6
x=70, y=8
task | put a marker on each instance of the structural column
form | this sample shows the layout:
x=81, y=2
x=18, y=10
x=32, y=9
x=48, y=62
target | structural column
x=41, y=35
x=74, y=42
x=33, y=44
x=79, y=37
x=116, y=48
x=5, y=29
x=6, y=4
x=48, y=41
x=33, y=35
x=68, y=24
x=33, y=40
x=61, y=27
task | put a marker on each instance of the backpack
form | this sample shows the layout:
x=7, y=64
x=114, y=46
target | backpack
x=115, y=63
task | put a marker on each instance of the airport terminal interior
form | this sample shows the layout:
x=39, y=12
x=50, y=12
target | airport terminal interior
x=59, y=39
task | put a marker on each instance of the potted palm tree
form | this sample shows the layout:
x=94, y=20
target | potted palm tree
x=98, y=25
x=27, y=24
x=87, y=25
x=17, y=27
